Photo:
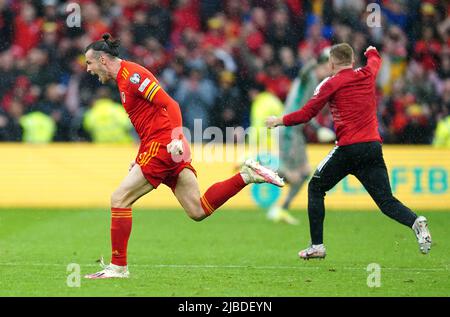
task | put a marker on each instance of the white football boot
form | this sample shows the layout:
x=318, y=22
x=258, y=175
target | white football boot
x=253, y=172
x=423, y=236
x=313, y=252
x=110, y=271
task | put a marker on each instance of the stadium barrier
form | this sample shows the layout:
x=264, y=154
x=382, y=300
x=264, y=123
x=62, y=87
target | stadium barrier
x=84, y=175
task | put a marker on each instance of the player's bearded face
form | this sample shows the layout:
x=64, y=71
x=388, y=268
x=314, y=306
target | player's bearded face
x=95, y=67
x=102, y=75
x=101, y=72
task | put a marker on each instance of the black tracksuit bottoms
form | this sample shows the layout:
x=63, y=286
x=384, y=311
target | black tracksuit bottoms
x=364, y=161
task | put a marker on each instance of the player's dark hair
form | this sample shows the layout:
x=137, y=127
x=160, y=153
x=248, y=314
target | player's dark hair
x=107, y=44
x=342, y=54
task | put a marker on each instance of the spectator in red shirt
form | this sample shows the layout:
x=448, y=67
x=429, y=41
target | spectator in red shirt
x=314, y=41
x=92, y=21
x=427, y=50
x=215, y=36
x=186, y=15
x=275, y=80
x=27, y=29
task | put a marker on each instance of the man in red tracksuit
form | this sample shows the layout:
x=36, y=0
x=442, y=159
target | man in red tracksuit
x=350, y=94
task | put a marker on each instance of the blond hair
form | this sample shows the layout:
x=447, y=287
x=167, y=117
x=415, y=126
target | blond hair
x=342, y=54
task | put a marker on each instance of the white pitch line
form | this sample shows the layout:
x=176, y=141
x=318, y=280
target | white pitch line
x=193, y=266
x=208, y=266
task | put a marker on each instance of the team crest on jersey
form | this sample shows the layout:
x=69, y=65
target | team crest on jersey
x=122, y=95
x=135, y=78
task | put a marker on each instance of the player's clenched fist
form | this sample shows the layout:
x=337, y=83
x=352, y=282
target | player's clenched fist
x=370, y=48
x=272, y=122
x=175, y=147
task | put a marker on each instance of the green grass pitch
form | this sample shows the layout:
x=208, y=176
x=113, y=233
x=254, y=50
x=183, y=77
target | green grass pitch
x=233, y=253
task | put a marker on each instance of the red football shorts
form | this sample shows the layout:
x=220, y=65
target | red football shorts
x=158, y=165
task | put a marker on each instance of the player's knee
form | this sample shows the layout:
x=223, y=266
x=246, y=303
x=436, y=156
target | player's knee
x=386, y=202
x=118, y=199
x=314, y=187
x=196, y=213
x=197, y=218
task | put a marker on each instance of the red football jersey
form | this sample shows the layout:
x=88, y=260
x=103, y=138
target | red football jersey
x=351, y=96
x=153, y=113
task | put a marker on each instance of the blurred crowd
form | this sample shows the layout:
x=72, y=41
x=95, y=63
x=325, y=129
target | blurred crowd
x=210, y=55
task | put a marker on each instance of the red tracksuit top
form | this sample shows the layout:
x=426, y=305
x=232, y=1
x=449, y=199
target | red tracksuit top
x=351, y=96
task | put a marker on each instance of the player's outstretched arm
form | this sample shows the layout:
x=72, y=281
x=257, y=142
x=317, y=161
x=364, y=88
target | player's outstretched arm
x=373, y=59
x=323, y=93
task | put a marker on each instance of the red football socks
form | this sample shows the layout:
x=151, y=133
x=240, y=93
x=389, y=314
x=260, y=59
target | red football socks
x=220, y=192
x=121, y=219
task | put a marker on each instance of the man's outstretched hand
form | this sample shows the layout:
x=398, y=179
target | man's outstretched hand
x=272, y=122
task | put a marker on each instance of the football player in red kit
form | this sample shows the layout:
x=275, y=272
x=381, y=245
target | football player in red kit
x=350, y=94
x=164, y=155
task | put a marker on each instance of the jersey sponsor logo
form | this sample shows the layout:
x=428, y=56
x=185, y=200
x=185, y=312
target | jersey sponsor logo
x=135, y=78
x=122, y=95
x=144, y=85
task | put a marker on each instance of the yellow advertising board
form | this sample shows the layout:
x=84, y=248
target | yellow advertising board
x=85, y=175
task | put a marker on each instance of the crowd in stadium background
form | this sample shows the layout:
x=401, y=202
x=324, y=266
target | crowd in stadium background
x=208, y=55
